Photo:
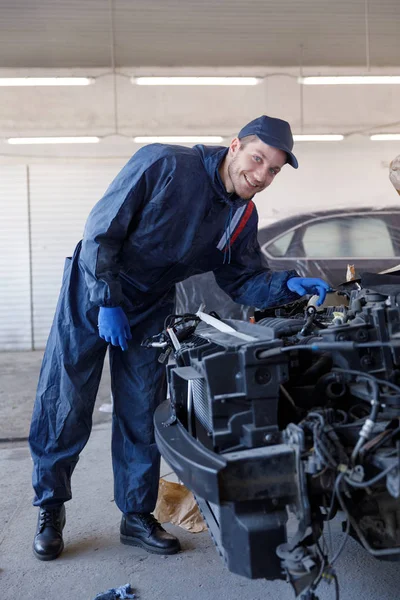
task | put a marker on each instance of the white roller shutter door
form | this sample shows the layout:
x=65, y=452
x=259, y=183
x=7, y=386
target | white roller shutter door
x=15, y=297
x=61, y=199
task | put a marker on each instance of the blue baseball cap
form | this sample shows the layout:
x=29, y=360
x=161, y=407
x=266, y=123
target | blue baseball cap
x=274, y=132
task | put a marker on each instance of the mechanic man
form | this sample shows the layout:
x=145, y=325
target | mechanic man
x=170, y=213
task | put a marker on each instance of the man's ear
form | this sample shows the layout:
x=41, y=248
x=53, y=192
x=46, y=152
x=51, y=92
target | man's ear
x=234, y=146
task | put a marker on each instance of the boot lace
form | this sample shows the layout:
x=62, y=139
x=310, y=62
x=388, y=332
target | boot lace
x=149, y=521
x=50, y=517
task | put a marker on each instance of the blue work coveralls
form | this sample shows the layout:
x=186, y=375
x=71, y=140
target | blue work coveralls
x=165, y=217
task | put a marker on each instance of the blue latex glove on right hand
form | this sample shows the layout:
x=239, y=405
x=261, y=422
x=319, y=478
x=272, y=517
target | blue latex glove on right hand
x=309, y=285
x=114, y=326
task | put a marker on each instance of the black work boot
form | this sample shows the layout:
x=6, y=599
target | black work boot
x=48, y=542
x=143, y=529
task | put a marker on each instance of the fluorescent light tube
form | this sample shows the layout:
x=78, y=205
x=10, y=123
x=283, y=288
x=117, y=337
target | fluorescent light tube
x=318, y=137
x=175, y=139
x=350, y=80
x=40, y=81
x=195, y=80
x=382, y=137
x=54, y=140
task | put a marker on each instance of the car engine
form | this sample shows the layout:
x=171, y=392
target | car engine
x=296, y=414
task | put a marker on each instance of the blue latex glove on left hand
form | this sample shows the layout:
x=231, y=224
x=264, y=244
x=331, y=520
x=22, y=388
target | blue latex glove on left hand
x=114, y=326
x=309, y=285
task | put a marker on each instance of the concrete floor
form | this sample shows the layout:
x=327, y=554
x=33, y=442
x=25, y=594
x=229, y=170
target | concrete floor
x=94, y=560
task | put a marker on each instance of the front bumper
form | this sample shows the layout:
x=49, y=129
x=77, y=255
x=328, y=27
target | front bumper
x=243, y=495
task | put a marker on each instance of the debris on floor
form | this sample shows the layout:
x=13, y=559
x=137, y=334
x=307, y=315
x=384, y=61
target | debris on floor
x=125, y=591
x=176, y=505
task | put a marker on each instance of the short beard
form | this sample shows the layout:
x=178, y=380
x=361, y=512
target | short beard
x=232, y=172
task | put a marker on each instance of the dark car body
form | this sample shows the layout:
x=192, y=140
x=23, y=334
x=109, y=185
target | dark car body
x=323, y=243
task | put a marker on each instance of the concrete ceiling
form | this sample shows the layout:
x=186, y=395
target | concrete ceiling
x=173, y=33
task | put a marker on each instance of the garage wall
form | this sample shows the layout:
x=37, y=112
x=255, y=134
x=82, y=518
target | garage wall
x=61, y=198
x=15, y=294
x=43, y=212
x=201, y=110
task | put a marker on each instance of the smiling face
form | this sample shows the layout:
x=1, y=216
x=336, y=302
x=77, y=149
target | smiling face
x=250, y=166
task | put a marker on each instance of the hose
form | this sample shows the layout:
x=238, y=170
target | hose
x=369, y=423
x=370, y=482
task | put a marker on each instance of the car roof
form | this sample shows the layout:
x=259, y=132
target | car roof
x=268, y=232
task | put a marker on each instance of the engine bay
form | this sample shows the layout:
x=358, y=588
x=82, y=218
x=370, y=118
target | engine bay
x=297, y=413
